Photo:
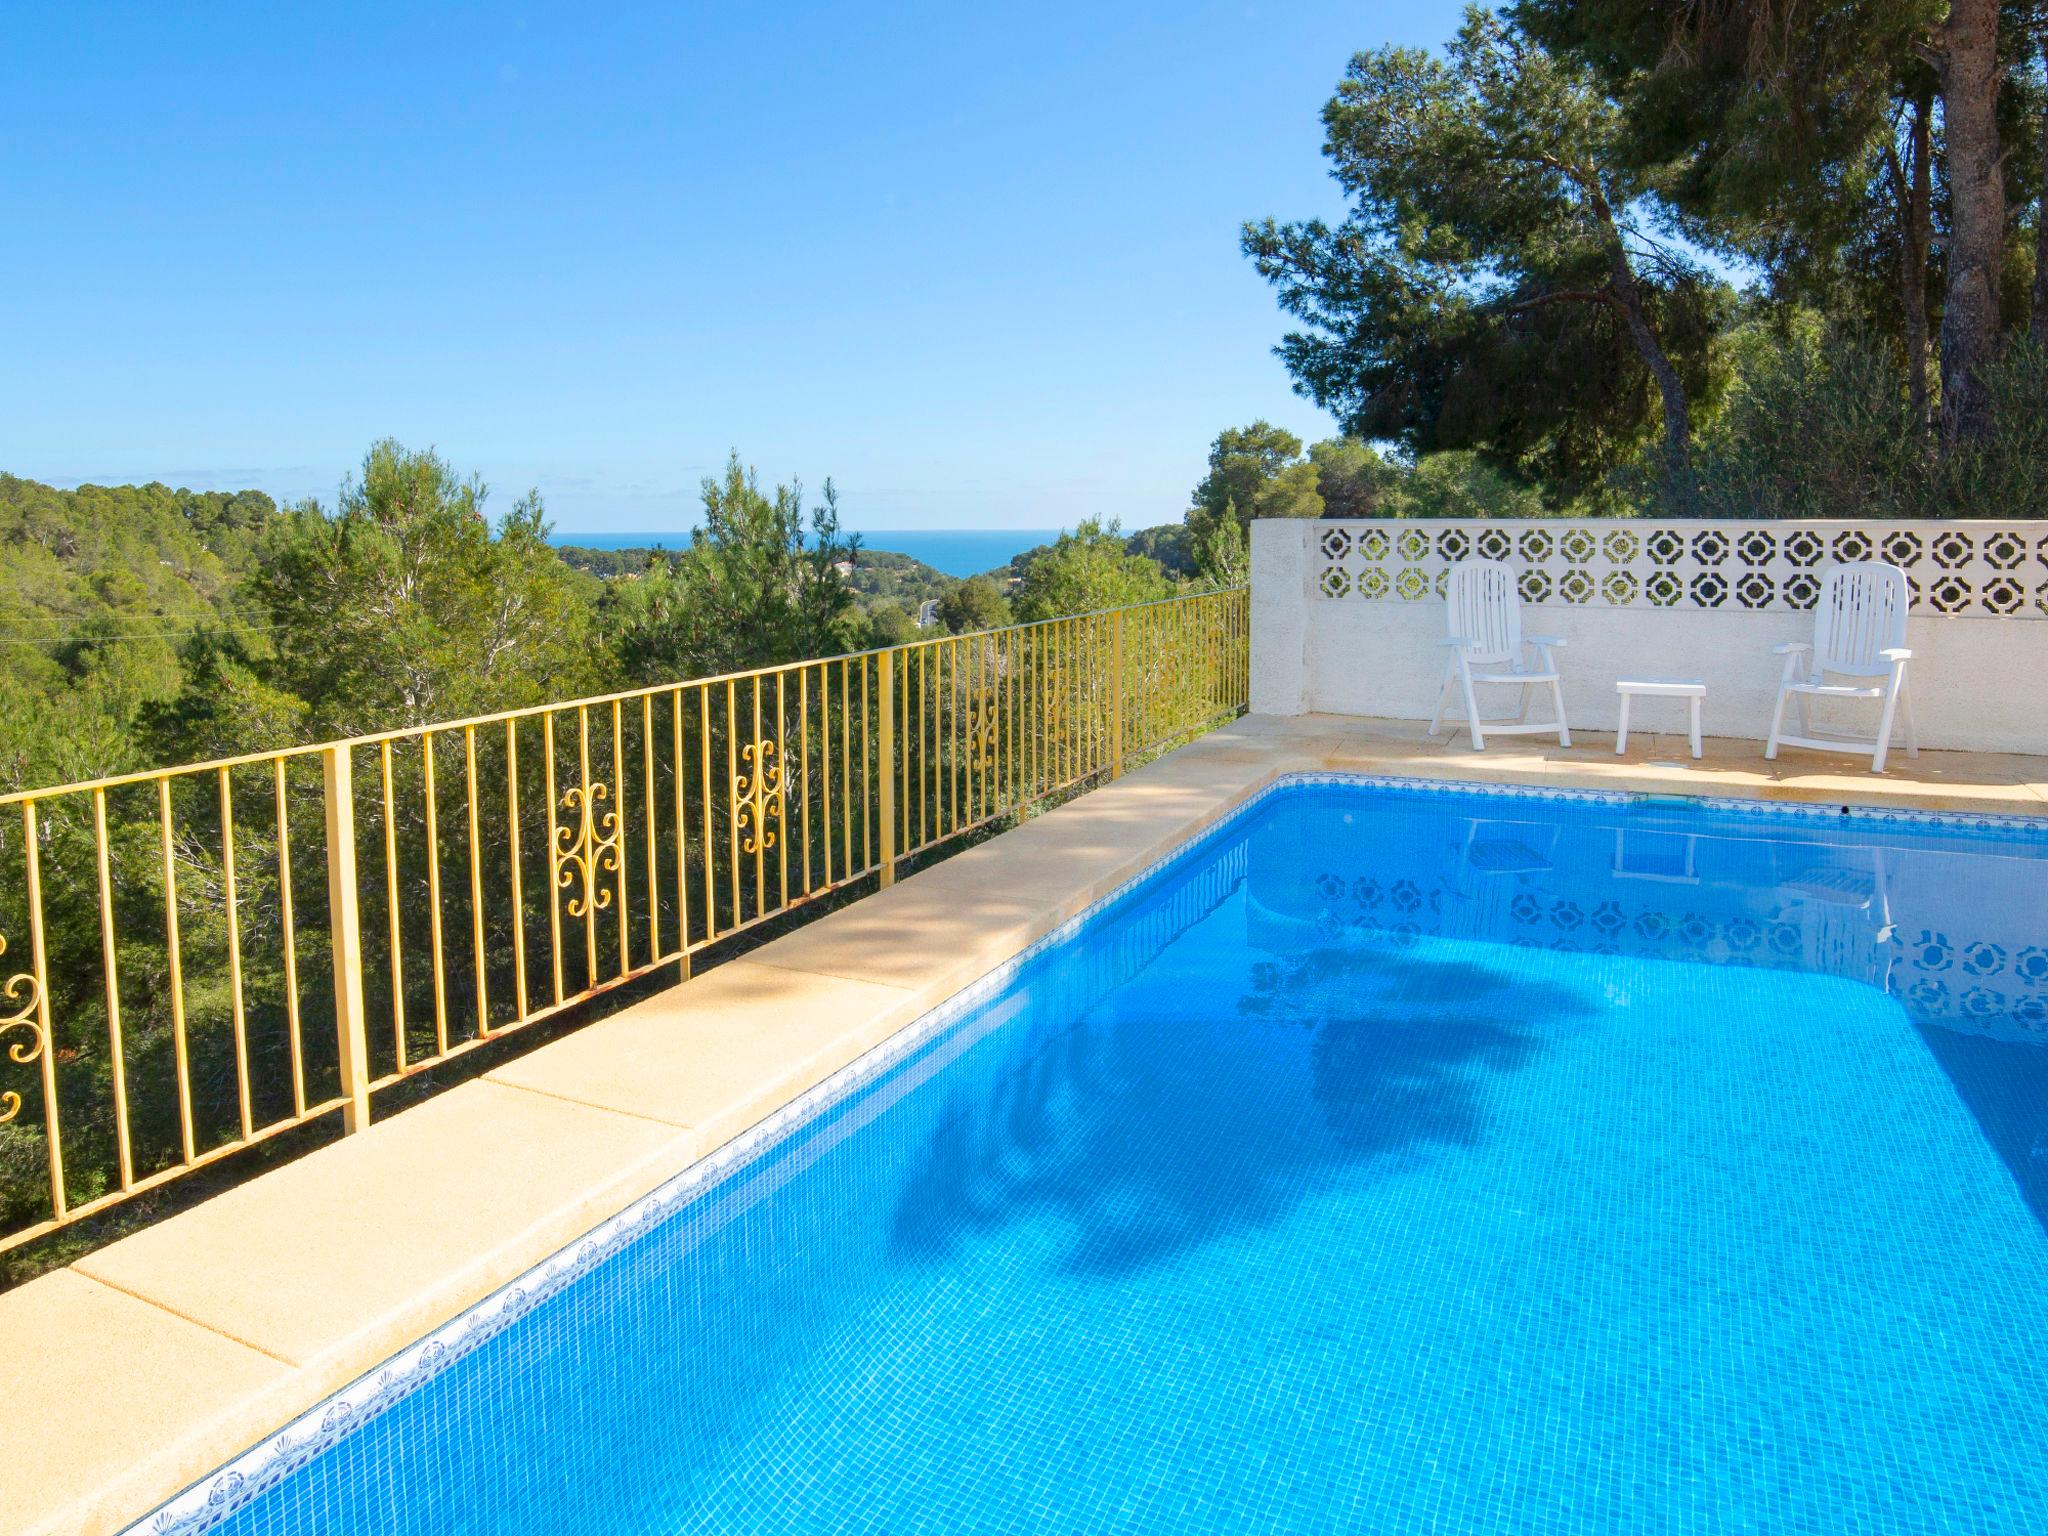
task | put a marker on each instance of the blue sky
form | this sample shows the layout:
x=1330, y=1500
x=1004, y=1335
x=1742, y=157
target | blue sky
x=979, y=264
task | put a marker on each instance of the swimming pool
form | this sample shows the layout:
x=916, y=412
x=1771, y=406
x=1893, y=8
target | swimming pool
x=1392, y=1159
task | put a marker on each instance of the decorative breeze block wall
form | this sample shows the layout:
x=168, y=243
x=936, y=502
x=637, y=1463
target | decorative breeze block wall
x=1954, y=568
x=1347, y=617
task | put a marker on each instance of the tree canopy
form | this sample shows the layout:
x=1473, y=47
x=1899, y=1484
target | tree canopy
x=759, y=583
x=1500, y=284
x=973, y=604
x=1528, y=267
x=1085, y=571
x=422, y=608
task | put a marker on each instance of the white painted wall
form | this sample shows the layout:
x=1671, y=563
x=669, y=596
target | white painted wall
x=1980, y=681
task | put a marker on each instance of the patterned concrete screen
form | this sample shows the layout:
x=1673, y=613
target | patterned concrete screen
x=1347, y=616
x=1981, y=568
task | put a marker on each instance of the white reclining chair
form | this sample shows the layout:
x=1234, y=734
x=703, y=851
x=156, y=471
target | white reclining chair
x=1484, y=611
x=1859, y=639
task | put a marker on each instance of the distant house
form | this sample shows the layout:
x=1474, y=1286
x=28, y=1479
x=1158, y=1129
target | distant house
x=843, y=567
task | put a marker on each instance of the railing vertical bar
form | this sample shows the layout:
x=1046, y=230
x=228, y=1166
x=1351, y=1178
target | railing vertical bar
x=845, y=773
x=926, y=744
x=960, y=782
x=682, y=832
x=704, y=752
x=1077, y=697
x=867, y=839
x=923, y=754
x=760, y=831
x=1173, y=690
x=1116, y=696
x=732, y=781
x=906, y=833
x=1093, y=672
x=1088, y=679
x=969, y=653
x=1097, y=675
x=1034, y=746
x=434, y=942
x=947, y=665
x=964, y=730
x=1048, y=708
x=1084, y=698
x=621, y=842
x=547, y=746
x=973, y=721
x=291, y=942
x=653, y=864
x=110, y=971
x=782, y=798
x=1051, y=702
x=825, y=778
x=935, y=751
x=1132, y=726
x=391, y=904
x=885, y=753
x=177, y=973
x=1062, y=681
x=352, y=1054
x=585, y=838
x=1012, y=693
x=39, y=969
x=476, y=885
x=519, y=995
x=963, y=734
x=803, y=766
x=238, y=1015
x=1027, y=696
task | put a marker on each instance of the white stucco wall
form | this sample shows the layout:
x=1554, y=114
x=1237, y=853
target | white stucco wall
x=1980, y=681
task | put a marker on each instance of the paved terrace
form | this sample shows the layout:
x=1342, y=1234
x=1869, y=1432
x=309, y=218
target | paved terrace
x=149, y=1363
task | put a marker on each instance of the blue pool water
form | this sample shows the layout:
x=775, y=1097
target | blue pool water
x=1395, y=1162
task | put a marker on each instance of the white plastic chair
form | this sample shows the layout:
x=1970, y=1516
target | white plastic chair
x=1859, y=638
x=1484, y=614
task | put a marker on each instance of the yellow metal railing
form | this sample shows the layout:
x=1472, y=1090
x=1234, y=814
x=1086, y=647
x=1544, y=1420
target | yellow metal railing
x=487, y=873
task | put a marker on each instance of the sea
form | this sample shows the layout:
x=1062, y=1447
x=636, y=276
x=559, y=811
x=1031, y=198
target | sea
x=955, y=551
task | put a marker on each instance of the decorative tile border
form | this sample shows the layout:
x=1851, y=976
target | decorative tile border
x=207, y=1504
x=1819, y=812
x=1973, y=567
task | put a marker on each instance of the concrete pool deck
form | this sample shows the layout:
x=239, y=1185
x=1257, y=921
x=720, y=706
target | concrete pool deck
x=145, y=1365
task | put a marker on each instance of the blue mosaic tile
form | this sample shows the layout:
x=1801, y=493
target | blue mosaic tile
x=1398, y=1156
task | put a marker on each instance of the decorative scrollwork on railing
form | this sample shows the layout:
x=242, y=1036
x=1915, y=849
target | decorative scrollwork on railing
x=983, y=716
x=1055, y=694
x=21, y=989
x=757, y=795
x=587, y=848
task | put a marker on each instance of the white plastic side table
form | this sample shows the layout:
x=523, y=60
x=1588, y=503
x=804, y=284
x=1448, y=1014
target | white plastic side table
x=1689, y=689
